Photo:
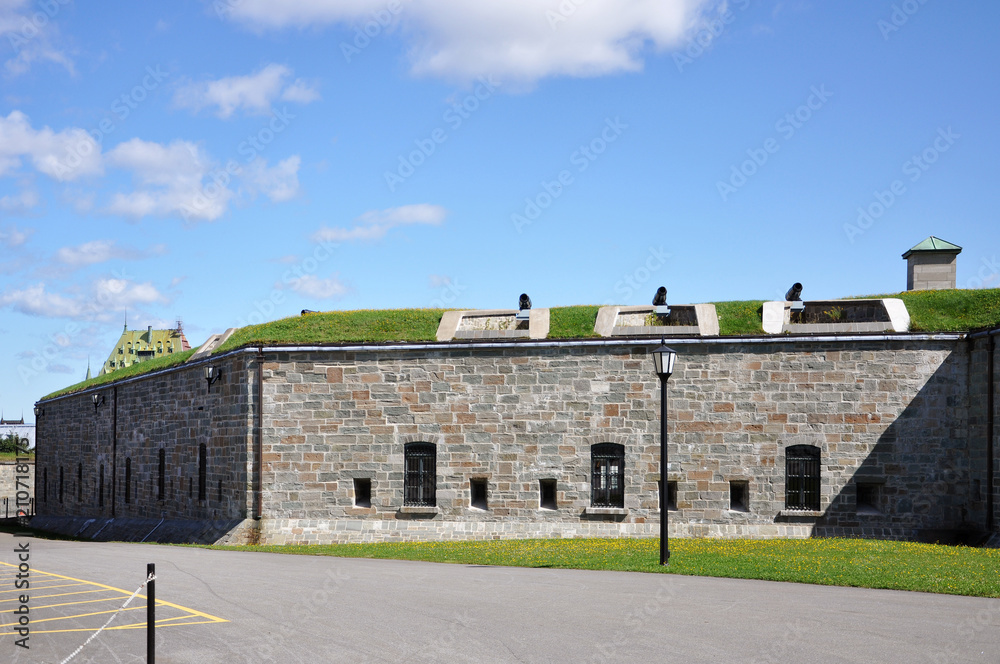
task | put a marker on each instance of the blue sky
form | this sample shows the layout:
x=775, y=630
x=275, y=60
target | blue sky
x=225, y=162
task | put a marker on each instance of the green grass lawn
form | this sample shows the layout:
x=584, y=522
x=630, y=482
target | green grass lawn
x=832, y=562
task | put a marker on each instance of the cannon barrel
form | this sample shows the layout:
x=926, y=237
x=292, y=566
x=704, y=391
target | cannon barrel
x=524, y=302
x=660, y=299
x=794, y=293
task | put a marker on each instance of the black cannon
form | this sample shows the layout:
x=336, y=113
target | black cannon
x=794, y=293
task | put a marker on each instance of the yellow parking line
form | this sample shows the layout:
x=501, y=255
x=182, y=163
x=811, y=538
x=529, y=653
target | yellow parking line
x=188, y=612
x=34, y=596
x=36, y=587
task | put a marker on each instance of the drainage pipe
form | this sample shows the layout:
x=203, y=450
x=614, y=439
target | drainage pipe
x=114, y=449
x=990, y=430
x=258, y=445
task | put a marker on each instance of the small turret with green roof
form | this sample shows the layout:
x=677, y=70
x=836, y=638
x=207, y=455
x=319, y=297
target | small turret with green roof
x=931, y=265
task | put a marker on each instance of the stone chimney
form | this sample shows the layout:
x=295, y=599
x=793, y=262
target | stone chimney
x=931, y=265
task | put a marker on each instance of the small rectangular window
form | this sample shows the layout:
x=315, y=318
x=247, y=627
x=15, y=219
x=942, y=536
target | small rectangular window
x=362, y=492
x=671, y=496
x=478, y=493
x=547, y=494
x=739, y=496
x=869, y=498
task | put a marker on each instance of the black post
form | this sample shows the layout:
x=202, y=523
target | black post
x=151, y=614
x=664, y=487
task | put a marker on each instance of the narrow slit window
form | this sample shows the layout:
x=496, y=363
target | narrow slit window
x=362, y=492
x=477, y=490
x=869, y=494
x=60, y=484
x=671, y=495
x=739, y=496
x=161, y=475
x=100, y=488
x=128, y=480
x=202, y=470
x=79, y=482
x=547, y=494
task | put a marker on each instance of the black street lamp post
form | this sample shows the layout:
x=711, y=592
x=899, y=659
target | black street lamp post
x=663, y=361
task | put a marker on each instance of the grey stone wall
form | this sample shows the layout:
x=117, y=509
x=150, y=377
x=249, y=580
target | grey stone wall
x=892, y=413
x=905, y=417
x=174, y=411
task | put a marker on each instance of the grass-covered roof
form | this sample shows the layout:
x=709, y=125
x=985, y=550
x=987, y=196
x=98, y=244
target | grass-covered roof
x=930, y=311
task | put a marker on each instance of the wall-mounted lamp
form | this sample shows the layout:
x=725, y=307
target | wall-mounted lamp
x=98, y=400
x=39, y=411
x=212, y=374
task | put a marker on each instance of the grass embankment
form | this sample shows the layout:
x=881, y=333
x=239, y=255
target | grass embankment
x=833, y=562
x=951, y=310
x=149, y=366
x=363, y=326
x=930, y=311
x=739, y=317
x=573, y=322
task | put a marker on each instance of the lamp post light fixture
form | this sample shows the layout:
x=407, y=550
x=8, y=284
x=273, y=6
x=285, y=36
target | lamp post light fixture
x=39, y=411
x=663, y=361
x=98, y=400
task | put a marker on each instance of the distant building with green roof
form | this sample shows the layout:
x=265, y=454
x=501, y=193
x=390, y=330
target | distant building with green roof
x=139, y=345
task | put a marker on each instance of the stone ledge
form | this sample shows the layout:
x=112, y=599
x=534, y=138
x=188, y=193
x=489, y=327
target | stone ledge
x=419, y=509
x=801, y=513
x=606, y=511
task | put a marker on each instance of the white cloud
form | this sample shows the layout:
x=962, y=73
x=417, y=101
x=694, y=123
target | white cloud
x=279, y=183
x=105, y=297
x=513, y=40
x=32, y=33
x=172, y=180
x=375, y=224
x=318, y=289
x=300, y=92
x=19, y=204
x=63, y=156
x=100, y=251
x=13, y=238
x=253, y=94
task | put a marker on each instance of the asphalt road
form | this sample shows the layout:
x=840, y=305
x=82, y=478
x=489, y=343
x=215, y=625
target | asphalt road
x=255, y=607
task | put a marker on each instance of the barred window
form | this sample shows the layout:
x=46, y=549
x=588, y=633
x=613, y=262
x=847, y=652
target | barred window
x=607, y=484
x=802, y=478
x=420, y=476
